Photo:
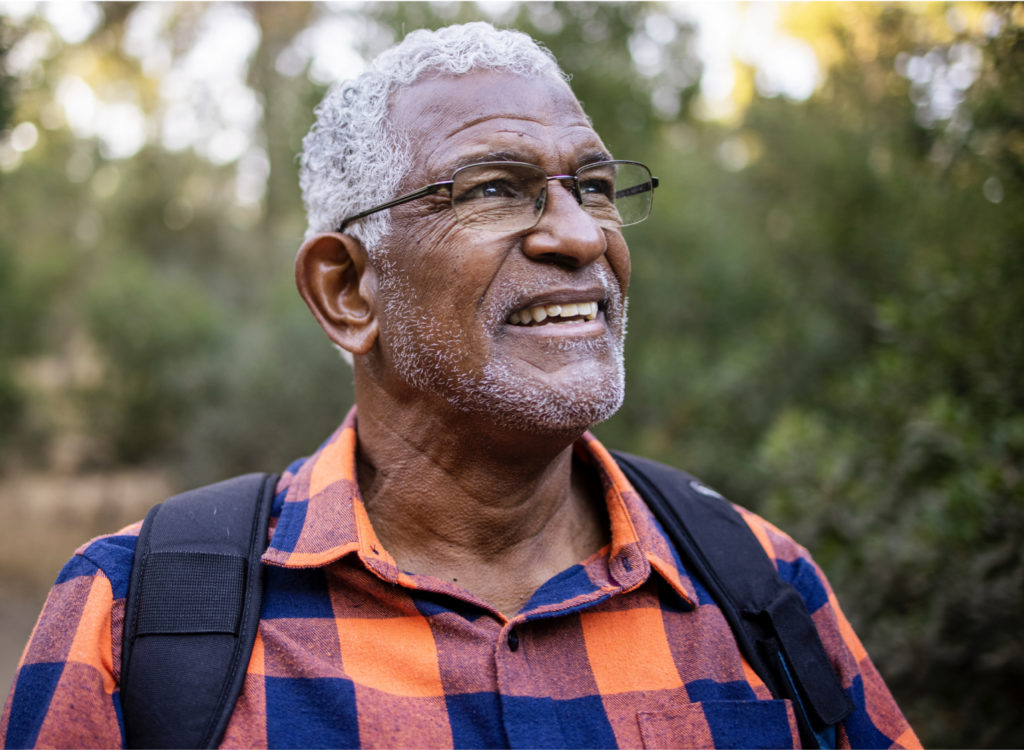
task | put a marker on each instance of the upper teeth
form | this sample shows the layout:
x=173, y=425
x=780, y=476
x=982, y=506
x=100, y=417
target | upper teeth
x=540, y=313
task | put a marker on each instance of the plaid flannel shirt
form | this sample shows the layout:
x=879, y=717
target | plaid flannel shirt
x=623, y=649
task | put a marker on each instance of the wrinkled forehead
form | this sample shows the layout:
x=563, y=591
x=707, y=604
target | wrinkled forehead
x=448, y=120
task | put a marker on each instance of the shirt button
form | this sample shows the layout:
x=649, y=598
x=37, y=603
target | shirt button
x=513, y=641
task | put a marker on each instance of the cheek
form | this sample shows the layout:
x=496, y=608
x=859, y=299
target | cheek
x=618, y=259
x=435, y=292
x=421, y=260
x=451, y=265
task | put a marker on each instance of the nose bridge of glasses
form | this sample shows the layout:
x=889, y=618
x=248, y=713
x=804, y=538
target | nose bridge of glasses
x=569, y=185
x=568, y=181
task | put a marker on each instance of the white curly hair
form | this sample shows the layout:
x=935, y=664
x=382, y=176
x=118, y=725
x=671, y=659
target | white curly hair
x=353, y=159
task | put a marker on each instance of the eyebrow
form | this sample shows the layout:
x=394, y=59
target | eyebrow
x=479, y=158
x=590, y=157
x=593, y=157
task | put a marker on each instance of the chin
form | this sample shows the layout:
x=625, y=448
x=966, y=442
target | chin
x=522, y=404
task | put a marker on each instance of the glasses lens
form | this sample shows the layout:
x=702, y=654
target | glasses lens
x=509, y=197
x=616, y=193
x=498, y=197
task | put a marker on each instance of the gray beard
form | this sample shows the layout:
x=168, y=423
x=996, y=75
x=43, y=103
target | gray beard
x=423, y=352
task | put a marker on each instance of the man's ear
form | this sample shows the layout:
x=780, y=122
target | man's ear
x=339, y=284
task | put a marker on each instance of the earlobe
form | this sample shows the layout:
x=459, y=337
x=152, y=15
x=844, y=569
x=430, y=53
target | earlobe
x=338, y=283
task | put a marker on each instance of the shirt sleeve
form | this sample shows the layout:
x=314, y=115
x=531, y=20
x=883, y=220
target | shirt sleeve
x=66, y=691
x=876, y=721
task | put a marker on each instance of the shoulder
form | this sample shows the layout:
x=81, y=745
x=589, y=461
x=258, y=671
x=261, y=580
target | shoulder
x=65, y=692
x=794, y=562
x=110, y=555
x=777, y=543
x=790, y=557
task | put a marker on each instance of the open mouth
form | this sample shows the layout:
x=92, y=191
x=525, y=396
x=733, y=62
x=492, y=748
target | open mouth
x=547, y=314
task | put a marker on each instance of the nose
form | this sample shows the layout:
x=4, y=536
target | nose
x=565, y=234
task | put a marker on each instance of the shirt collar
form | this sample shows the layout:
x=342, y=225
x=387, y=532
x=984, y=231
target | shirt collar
x=323, y=519
x=637, y=537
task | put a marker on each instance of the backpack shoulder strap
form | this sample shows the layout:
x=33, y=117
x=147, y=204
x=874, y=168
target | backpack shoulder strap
x=768, y=617
x=192, y=611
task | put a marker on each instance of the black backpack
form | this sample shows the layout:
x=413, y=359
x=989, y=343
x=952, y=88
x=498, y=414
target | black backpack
x=193, y=605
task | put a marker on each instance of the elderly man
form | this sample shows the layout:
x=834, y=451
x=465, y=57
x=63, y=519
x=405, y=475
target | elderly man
x=461, y=563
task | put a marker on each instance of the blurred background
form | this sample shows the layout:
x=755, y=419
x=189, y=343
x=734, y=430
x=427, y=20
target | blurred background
x=827, y=305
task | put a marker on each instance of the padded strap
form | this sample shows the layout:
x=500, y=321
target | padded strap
x=192, y=612
x=768, y=617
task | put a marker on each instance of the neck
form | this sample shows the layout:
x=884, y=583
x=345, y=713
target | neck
x=453, y=496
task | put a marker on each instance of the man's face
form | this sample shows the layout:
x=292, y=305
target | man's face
x=454, y=298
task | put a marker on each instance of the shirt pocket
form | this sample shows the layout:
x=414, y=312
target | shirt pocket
x=721, y=724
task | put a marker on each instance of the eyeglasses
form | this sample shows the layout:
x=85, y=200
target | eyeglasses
x=510, y=196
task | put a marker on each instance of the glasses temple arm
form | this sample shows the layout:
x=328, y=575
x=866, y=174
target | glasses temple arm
x=637, y=189
x=422, y=192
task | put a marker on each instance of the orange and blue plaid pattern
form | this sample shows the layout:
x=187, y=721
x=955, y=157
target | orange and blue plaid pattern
x=623, y=649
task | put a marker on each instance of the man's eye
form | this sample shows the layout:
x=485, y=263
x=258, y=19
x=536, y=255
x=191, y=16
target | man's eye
x=598, y=188
x=498, y=188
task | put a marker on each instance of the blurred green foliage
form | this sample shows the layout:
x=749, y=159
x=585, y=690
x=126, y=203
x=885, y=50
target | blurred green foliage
x=825, y=322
